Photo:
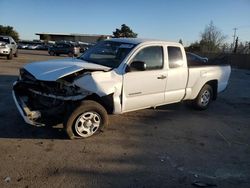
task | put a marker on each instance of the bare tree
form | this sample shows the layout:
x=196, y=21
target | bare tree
x=211, y=38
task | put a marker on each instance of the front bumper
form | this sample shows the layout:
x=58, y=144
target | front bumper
x=28, y=115
x=4, y=51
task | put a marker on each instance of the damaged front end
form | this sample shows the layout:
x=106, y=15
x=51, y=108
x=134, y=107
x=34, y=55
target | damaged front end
x=45, y=102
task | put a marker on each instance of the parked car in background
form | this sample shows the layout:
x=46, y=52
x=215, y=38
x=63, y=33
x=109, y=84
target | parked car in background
x=84, y=46
x=64, y=48
x=33, y=46
x=194, y=59
x=42, y=47
x=22, y=46
x=8, y=47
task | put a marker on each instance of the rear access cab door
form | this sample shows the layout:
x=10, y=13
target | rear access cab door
x=177, y=73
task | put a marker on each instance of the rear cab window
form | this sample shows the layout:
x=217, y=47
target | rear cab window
x=174, y=56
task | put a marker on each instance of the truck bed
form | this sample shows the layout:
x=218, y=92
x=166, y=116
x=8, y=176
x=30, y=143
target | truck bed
x=202, y=73
x=215, y=61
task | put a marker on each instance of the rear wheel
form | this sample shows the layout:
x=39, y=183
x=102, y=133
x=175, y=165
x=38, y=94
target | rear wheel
x=10, y=56
x=70, y=54
x=204, y=98
x=52, y=53
x=86, y=120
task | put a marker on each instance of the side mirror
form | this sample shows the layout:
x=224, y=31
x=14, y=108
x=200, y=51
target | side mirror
x=12, y=43
x=136, y=66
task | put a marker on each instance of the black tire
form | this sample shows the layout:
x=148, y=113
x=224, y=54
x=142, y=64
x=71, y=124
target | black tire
x=52, y=53
x=70, y=54
x=10, y=56
x=16, y=54
x=74, y=122
x=204, y=98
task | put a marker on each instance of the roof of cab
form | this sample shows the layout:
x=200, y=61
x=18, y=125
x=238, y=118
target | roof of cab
x=5, y=36
x=140, y=40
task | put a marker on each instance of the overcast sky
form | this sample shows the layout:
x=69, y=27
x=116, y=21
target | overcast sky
x=159, y=19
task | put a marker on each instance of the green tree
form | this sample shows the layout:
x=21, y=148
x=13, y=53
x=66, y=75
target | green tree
x=101, y=38
x=194, y=47
x=8, y=30
x=180, y=41
x=242, y=48
x=46, y=38
x=125, y=31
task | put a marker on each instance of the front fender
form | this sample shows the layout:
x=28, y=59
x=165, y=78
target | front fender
x=103, y=84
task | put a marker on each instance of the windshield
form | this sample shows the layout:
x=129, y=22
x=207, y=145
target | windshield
x=4, y=39
x=107, y=53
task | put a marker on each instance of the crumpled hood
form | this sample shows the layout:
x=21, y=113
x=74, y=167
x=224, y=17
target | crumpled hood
x=54, y=69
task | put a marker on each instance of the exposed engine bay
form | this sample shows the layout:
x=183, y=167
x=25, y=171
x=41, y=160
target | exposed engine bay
x=53, y=87
x=47, y=97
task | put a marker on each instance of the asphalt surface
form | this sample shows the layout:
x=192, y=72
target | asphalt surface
x=171, y=146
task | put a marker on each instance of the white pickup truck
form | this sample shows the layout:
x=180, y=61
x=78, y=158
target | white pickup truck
x=113, y=77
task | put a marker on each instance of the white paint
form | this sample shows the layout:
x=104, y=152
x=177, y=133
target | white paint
x=55, y=69
x=143, y=89
x=134, y=90
x=102, y=84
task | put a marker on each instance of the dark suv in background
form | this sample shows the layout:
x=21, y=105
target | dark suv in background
x=64, y=48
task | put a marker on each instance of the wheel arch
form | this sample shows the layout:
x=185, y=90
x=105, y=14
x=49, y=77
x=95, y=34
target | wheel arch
x=82, y=107
x=106, y=101
x=214, y=86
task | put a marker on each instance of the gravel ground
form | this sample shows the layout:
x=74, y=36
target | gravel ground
x=171, y=146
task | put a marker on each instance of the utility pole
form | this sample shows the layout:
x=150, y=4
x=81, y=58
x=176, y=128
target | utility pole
x=236, y=45
x=234, y=36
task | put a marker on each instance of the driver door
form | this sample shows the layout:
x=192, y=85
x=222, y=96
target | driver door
x=142, y=89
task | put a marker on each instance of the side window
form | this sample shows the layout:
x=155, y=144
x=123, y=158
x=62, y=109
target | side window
x=174, y=56
x=152, y=56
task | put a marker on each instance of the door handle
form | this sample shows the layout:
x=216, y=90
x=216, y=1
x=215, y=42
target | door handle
x=161, y=77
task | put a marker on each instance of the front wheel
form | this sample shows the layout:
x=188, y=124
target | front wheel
x=52, y=53
x=204, y=98
x=10, y=56
x=86, y=120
